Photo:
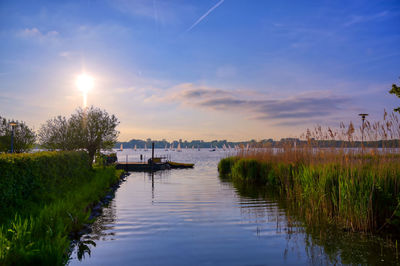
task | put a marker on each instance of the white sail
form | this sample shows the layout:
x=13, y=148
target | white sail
x=134, y=148
x=145, y=147
x=166, y=147
x=178, y=149
x=121, y=148
x=212, y=148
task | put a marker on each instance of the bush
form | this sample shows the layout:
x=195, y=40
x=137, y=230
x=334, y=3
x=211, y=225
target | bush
x=38, y=176
x=47, y=198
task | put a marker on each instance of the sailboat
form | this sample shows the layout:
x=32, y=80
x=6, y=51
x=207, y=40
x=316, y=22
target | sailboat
x=211, y=148
x=121, y=148
x=145, y=147
x=224, y=147
x=178, y=149
x=134, y=148
x=172, y=147
x=198, y=147
x=166, y=147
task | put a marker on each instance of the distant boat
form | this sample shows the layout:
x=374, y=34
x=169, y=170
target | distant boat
x=121, y=148
x=178, y=149
x=211, y=148
x=198, y=147
x=229, y=147
x=224, y=147
x=145, y=147
x=134, y=148
x=192, y=147
x=166, y=147
x=172, y=147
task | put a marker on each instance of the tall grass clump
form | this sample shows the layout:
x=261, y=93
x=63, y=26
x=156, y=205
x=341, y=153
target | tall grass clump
x=37, y=228
x=355, y=186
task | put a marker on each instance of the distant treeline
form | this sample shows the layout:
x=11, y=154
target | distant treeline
x=140, y=144
x=158, y=144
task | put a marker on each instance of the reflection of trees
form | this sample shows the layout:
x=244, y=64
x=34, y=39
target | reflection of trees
x=324, y=244
x=103, y=224
x=100, y=230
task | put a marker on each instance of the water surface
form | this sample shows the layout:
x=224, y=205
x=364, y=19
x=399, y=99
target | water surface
x=192, y=217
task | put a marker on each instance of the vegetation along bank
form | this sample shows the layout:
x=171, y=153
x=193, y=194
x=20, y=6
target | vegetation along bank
x=46, y=199
x=353, y=192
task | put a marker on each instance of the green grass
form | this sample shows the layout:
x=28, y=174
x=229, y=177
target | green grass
x=39, y=235
x=361, y=193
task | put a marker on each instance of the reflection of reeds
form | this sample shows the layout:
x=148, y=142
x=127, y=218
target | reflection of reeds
x=355, y=188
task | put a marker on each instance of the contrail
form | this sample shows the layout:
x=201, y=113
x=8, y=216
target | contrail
x=205, y=15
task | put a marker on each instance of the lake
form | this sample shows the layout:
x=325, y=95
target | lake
x=193, y=217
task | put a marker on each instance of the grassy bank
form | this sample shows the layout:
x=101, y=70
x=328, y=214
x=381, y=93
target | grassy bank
x=48, y=199
x=353, y=191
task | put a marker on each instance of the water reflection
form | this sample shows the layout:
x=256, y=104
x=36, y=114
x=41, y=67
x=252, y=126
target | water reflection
x=192, y=217
x=326, y=245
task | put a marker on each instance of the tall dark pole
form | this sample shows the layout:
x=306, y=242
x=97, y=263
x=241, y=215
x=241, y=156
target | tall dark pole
x=152, y=151
x=12, y=140
x=362, y=128
x=12, y=124
x=152, y=156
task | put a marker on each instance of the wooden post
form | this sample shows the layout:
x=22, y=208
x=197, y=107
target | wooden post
x=152, y=156
x=152, y=151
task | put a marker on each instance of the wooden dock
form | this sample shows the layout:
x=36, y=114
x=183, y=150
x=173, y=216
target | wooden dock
x=142, y=167
x=153, y=164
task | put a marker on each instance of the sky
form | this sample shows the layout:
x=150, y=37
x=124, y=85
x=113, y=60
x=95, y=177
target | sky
x=210, y=69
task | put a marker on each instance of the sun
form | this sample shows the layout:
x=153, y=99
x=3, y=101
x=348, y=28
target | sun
x=85, y=83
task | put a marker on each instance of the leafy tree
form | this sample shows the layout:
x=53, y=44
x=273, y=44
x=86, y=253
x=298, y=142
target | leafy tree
x=24, y=137
x=90, y=129
x=56, y=134
x=396, y=91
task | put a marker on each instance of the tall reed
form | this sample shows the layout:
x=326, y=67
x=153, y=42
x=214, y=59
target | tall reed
x=356, y=186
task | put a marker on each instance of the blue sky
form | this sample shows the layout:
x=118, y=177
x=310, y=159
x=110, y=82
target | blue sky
x=211, y=69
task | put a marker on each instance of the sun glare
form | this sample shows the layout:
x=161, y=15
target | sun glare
x=85, y=83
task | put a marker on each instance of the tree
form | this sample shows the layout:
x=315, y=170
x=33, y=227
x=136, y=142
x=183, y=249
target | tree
x=56, y=134
x=24, y=137
x=396, y=91
x=91, y=129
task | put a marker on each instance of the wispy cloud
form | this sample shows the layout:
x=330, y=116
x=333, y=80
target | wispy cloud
x=205, y=15
x=355, y=19
x=162, y=12
x=303, y=106
x=36, y=33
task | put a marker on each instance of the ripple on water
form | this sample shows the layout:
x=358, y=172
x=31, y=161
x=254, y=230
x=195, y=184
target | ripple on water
x=191, y=217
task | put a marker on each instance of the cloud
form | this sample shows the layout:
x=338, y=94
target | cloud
x=162, y=12
x=355, y=19
x=205, y=15
x=259, y=106
x=36, y=33
x=66, y=54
